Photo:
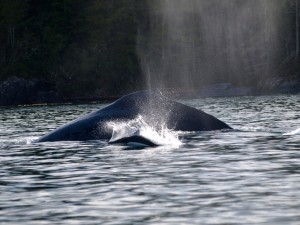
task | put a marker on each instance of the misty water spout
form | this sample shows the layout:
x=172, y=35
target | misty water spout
x=189, y=44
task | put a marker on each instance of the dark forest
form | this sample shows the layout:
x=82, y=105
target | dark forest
x=89, y=48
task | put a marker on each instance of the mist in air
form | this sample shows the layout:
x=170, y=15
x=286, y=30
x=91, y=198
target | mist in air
x=190, y=44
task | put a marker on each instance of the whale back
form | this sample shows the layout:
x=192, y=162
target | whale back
x=152, y=106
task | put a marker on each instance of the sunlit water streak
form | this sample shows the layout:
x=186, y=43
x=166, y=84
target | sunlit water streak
x=249, y=175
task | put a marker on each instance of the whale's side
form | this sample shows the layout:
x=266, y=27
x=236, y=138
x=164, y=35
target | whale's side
x=154, y=107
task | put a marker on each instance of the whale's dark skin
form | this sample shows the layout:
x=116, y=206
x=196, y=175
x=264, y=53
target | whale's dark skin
x=135, y=139
x=152, y=106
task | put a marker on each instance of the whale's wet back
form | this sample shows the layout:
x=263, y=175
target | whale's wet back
x=152, y=106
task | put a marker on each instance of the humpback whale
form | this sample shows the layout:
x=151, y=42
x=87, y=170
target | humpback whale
x=152, y=106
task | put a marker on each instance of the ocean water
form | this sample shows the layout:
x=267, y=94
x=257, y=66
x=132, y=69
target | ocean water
x=250, y=175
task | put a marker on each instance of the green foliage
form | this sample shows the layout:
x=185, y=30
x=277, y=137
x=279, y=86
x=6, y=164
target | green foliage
x=78, y=47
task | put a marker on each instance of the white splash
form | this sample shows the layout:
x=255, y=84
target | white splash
x=138, y=126
x=294, y=132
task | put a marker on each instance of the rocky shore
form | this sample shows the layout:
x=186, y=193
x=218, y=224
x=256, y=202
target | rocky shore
x=20, y=91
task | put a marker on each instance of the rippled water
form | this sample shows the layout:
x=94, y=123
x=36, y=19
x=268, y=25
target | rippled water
x=249, y=175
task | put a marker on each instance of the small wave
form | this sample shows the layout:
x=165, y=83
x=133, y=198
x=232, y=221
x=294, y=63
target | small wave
x=139, y=127
x=294, y=132
x=20, y=140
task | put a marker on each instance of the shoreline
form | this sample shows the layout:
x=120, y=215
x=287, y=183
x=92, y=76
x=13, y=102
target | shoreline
x=20, y=92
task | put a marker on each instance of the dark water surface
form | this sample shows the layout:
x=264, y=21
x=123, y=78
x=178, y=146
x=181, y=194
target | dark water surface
x=247, y=176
